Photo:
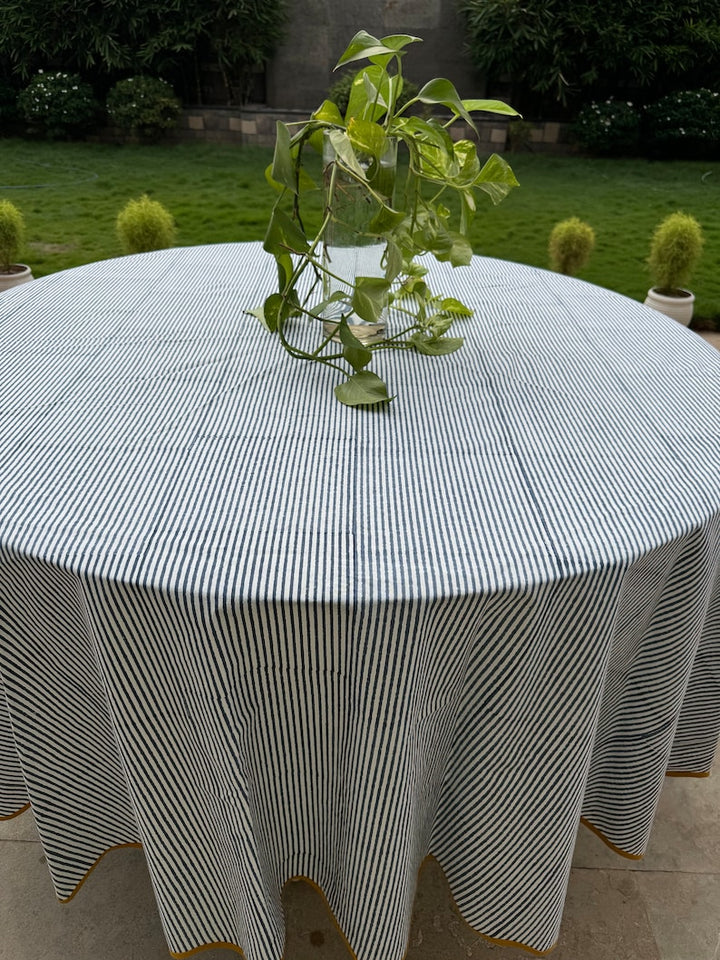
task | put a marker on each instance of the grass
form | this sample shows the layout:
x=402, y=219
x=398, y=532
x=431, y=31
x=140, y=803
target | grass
x=71, y=193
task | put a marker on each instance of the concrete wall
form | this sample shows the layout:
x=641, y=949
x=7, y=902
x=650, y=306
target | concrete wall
x=318, y=32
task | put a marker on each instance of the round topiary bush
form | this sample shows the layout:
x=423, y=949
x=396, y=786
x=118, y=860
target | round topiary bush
x=570, y=245
x=609, y=128
x=144, y=225
x=12, y=235
x=143, y=106
x=675, y=250
x=58, y=105
x=684, y=124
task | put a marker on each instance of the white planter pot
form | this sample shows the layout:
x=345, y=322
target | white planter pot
x=679, y=308
x=19, y=273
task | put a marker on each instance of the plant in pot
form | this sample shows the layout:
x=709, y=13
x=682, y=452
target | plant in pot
x=12, y=236
x=362, y=258
x=570, y=245
x=675, y=250
x=144, y=225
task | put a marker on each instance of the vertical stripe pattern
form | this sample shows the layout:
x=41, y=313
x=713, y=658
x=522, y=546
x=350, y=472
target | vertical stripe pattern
x=269, y=636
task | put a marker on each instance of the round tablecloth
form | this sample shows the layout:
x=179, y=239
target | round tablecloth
x=269, y=636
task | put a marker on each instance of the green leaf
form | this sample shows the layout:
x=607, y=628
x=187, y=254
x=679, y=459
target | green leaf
x=283, y=169
x=370, y=94
x=455, y=306
x=344, y=152
x=490, y=106
x=461, y=252
x=393, y=261
x=284, y=235
x=363, y=45
x=269, y=313
x=367, y=137
x=443, y=92
x=328, y=112
x=357, y=355
x=362, y=389
x=396, y=41
x=277, y=187
x=370, y=297
x=435, y=347
x=284, y=269
x=385, y=220
x=468, y=163
x=496, y=178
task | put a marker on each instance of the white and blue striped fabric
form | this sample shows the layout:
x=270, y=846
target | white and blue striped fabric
x=268, y=636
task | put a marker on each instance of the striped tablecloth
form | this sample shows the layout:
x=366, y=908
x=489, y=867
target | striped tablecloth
x=268, y=636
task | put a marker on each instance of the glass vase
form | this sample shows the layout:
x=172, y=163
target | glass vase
x=351, y=248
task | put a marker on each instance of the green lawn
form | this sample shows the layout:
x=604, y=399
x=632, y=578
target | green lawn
x=70, y=194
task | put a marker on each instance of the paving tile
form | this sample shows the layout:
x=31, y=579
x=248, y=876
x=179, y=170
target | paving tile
x=684, y=913
x=113, y=915
x=21, y=827
x=311, y=931
x=685, y=834
x=605, y=918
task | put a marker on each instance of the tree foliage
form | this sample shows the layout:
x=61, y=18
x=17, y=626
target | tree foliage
x=139, y=36
x=561, y=50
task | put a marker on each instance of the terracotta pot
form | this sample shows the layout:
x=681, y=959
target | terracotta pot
x=19, y=273
x=680, y=308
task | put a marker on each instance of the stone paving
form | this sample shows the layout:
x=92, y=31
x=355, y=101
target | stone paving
x=663, y=907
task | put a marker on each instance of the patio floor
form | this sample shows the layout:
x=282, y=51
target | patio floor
x=664, y=907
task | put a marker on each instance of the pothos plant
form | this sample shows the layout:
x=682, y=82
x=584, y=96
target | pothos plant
x=412, y=222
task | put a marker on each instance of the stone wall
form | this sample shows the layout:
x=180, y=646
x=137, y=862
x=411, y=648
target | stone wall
x=256, y=126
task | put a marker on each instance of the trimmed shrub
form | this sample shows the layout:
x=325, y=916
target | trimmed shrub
x=144, y=225
x=611, y=127
x=58, y=105
x=12, y=234
x=143, y=106
x=684, y=124
x=570, y=245
x=675, y=250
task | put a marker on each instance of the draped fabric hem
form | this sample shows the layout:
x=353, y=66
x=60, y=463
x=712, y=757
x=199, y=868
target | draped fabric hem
x=11, y=816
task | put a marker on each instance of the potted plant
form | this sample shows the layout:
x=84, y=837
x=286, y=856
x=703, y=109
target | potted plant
x=144, y=225
x=570, y=245
x=392, y=223
x=12, y=236
x=675, y=250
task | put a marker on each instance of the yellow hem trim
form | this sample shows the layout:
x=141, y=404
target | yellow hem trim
x=687, y=773
x=17, y=813
x=616, y=849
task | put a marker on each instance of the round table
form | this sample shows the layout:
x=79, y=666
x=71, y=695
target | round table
x=269, y=636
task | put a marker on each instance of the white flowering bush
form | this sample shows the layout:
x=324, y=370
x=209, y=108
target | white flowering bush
x=58, y=104
x=608, y=127
x=143, y=106
x=685, y=124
